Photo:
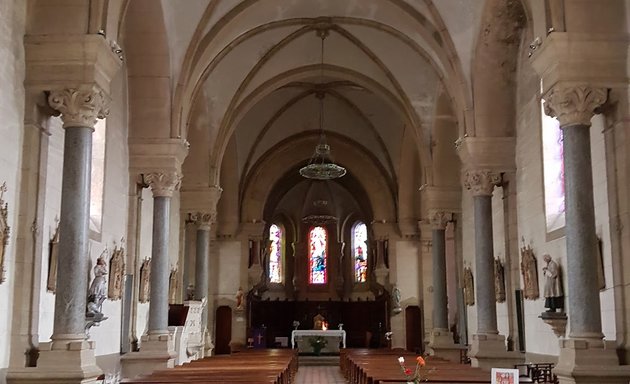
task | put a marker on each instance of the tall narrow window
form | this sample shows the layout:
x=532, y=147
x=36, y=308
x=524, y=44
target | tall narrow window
x=276, y=252
x=359, y=248
x=97, y=175
x=553, y=166
x=317, y=255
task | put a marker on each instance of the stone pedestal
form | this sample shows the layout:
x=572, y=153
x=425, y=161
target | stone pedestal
x=489, y=351
x=590, y=362
x=442, y=345
x=557, y=321
x=71, y=362
x=156, y=352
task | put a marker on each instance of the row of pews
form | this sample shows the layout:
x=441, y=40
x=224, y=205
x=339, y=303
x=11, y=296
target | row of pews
x=261, y=366
x=371, y=366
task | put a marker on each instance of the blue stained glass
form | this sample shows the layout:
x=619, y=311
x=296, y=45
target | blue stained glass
x=317, y=255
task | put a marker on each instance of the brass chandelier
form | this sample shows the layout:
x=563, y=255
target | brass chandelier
x=321, y=166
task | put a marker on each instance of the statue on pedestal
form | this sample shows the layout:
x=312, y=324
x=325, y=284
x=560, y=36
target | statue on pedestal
x=554, y=297
x=98, y=288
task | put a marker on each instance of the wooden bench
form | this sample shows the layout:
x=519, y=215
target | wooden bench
x=381, y=366
x=269, y=366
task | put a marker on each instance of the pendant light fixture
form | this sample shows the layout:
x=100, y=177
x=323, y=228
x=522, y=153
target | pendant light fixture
x=321, y=166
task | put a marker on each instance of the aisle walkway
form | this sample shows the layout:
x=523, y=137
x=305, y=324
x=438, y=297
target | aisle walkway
x=319, y=375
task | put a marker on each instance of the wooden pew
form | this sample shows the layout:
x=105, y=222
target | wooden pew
x=381, y=366
x=256, y=366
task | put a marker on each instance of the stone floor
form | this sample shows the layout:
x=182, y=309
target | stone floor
x=328, y=374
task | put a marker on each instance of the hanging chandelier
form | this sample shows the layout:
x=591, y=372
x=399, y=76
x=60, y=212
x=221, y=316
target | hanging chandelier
x=321, y=165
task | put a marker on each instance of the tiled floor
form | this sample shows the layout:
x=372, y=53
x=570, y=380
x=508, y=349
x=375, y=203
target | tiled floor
x=319, y=375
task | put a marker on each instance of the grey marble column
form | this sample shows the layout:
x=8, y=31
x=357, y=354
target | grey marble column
x=203, y=222
x=163, y=185
x=574, y=108
x=439, y=220
x=189, y=258
x=481, y=183
x=79, y=111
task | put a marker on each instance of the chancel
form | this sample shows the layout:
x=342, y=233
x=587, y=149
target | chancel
x=314, y=182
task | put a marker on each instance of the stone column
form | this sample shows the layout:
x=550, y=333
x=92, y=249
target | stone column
x=162, y=184
x=440, y=339
x=69, y=354
x=584, y=356
x=157, y=346
x=574, y=108
x=79, y=111
x=488, y=348
x=203, y=221
x=439, y=220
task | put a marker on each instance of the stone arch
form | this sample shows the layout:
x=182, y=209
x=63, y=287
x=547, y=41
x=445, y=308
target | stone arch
x=494, y=68
x=261, y=180
x=145, y=43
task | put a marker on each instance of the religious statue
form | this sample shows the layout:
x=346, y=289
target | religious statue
x=240, y=299
x=5, y=230
x=145, y=278
x=173, y=286
x=554, y=297
x=499, y=281
x=98, y=288
x=530, y=273
x=396, y=300
x=318, y=321
x=53, y=259
x=116, y=272
x=469, y=287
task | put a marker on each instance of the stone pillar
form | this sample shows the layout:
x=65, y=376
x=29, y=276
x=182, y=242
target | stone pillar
x=488, y=348
x=584, y=356
x=162, y=184
x=69, y=354
x=203, y=222
x=157, y=345
x=440, y=339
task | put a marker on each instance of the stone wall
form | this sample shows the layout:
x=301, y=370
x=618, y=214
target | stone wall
x=12, y=24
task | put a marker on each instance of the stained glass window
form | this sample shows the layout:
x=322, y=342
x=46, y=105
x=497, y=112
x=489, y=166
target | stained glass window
x=317, y=255
x=359, y=249
x=276, y=238
x=553, y=167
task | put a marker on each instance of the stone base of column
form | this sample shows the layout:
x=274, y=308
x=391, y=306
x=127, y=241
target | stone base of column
x=156, y=352
x=489, y=351
x=60, y=361
x=590, y=362
x=441, y=345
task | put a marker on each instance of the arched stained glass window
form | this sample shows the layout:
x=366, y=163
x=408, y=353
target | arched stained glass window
x=276, y=252
x=359, y=250
x=317, y=255
x=553, y=168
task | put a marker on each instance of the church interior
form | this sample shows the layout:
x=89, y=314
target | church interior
x=181, y=180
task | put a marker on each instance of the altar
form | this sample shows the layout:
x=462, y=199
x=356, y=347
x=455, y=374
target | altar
x=301, y=338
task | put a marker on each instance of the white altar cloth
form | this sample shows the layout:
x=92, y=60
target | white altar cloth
x=299, y=333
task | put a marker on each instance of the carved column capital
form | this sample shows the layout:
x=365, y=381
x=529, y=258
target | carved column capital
x=439, y=219
x=163, y=184
x=574, y=104
x=204, y=220
x=481, y=182
x=80, y=107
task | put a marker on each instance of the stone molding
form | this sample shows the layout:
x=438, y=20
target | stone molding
x=439, y=219
x=163, y=184
x=481, y=181
x=497, y=154
x=574, y=104
x=80, y=107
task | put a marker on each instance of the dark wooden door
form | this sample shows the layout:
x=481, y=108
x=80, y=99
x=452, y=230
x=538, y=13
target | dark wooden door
x=223, y=330
x=413, y=329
